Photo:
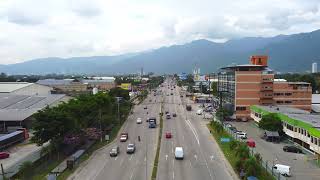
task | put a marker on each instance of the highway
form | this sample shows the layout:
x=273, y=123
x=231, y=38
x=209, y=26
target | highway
x=125, y=166
x=202, y=159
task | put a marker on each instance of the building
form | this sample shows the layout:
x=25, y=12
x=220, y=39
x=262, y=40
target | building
x=101, y=84
x=17, y=110
x=253, y=84
x=64, y=85
x=300, y=126
x=315, y=103
x=24, y=88
x=314, y=68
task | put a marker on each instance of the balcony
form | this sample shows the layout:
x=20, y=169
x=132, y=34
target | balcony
x=266, y=88
x=266, y=80
x=266, y=95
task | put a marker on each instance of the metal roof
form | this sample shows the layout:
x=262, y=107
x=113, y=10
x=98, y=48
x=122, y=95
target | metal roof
x=8, y=87
x=52, y=82
x=20, y=107
x=315, y=98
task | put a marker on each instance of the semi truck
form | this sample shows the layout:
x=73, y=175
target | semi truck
x=12, y=138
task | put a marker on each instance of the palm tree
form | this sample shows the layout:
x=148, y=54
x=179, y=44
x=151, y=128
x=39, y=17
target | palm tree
x=26, y=170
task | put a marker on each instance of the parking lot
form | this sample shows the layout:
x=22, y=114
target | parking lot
x=302, y=165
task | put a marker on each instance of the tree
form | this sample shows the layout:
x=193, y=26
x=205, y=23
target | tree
x=251, y=167
x=223, y=113
x=26, y=170
x=271, y=122
x=242, y=151
x=119, y=92
x=214, y=87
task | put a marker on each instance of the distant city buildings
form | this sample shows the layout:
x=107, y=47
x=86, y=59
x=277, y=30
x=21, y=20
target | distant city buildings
x=314, y=68
x=254, y=84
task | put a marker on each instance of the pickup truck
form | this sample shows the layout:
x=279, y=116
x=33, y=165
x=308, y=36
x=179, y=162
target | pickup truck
x=124, y=137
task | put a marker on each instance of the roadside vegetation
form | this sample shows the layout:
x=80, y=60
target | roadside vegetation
x=271, y=122
x=238, y=154
x=70, y=126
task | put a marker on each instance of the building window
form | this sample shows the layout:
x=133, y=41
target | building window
x=241, y=108
x=295, y=129
x=316, y=141
x=279, y=102
x=288, y=102
x=311, y=139
x=288, y=94
x=308, y=134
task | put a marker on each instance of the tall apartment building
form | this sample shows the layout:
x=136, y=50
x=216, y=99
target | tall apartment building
x=314, y=68
x=254, y=84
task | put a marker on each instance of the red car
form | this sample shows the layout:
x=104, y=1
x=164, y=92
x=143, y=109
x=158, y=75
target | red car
x=4, y=155
x=168, y=135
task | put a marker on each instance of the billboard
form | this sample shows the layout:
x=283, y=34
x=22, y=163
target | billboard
x=126, y=86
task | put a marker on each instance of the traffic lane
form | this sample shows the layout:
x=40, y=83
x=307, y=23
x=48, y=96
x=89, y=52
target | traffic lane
x=219, y=166
x=102, y=164
x=272, y=152
x=198, y=164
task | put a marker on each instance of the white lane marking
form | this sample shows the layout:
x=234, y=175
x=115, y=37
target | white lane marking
x=193, y=131
x=145, y=158
x=116, y=158
x=166, y=156
x=131, y=175
x=196, y=157
x=208, y=169
x=131, y=157
x=211, y=157
x=172, y=174
x=121, y=162
x=190, y=164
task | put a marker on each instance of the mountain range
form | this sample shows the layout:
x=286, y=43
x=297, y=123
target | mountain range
x=287, y=53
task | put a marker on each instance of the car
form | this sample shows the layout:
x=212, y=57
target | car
x=145, y=107
x=4, y=155
x=167, y=112
x=168, y=135
x=293, y=149
x=171, y=93
x=181, y=96
x=199, y=112
x=242, y=135
x=178, y=153
x=167, y=94
x=139, y=121
x=131, y=148
x=168, y=116
x=227, y=125
x=282, y=169
x=114, y=151
x=123, y=137
x=174, y=115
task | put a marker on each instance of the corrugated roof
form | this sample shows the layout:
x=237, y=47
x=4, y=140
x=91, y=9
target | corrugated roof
x=20, y=107
x=52, y=82
x=8, y=87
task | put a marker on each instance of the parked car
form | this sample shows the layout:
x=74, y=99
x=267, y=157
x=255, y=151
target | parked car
x=199, y=112
x=4, y=155
x=131, y=148
x=282, y=169
x=168, y=135
x=178, y=153
x=139, y=121
x=251, y=143
x=168, y=116
x=167, y=112
x=123, y=137
x=114, y=151
x=174, y=115
x=242, y=135
x=293, y=149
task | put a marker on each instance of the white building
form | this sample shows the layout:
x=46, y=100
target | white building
x=314, y=67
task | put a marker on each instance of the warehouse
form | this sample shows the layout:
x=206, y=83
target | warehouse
x=24, y=88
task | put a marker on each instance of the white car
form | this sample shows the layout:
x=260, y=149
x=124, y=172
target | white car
x=242, y=135
x=178, y=154
x=199, y=112
x=139, y=121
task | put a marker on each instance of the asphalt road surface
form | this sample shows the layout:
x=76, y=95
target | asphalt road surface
x=137, y=166
x=201, y=158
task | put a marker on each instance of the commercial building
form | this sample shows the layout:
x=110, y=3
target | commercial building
x=314, y=68
x=253, y=84
x=24, y=88
x=101, y=84
x=64, y=85
x=300, y=126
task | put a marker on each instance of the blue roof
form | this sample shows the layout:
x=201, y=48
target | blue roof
x=10, y=135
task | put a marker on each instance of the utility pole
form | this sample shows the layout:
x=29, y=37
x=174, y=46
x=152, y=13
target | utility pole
x=100, y=124
x=118, y=102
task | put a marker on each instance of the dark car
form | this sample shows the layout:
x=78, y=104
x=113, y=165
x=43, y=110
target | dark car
x=174, y=115
x=293, y=149
x=233, y=129
x=145, y=107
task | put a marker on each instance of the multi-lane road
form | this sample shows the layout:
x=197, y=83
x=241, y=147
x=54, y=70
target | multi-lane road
x=202, y=158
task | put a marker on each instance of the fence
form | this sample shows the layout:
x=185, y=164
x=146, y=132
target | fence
x=268, y=166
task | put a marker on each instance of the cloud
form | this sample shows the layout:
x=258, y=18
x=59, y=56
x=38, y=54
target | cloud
x=64, y=28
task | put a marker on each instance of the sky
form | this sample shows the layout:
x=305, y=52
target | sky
x=31, y=29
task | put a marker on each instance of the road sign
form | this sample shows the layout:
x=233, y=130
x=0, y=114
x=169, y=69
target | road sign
x=225, y=140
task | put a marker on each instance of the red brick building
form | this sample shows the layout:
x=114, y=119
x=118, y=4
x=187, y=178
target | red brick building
x=254, y=84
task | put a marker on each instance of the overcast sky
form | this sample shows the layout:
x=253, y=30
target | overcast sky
x=65, y=28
